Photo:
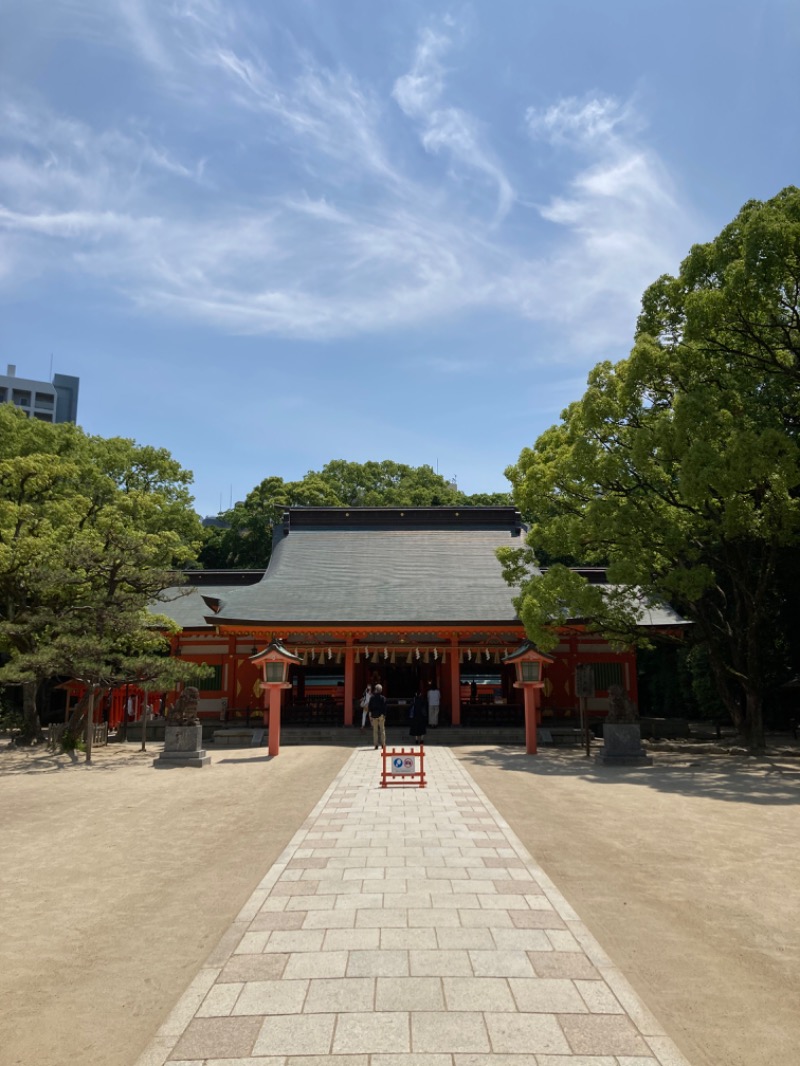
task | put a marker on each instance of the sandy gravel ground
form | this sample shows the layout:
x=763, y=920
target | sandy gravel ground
x=688, y=873
x=117, y=881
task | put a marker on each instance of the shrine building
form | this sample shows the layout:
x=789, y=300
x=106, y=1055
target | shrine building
x=404, y=597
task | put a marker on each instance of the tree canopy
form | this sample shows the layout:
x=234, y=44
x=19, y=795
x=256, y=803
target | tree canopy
x=679, y=468
x=246, y=539
x=91, y=531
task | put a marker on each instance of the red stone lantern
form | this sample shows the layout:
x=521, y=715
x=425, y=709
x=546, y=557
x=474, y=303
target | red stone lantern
x=529, y=664
x=274, y=661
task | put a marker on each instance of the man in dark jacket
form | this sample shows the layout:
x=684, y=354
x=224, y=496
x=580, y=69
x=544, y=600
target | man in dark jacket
x=377, y=715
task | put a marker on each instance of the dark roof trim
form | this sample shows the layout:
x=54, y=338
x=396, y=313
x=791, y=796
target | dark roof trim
x=198, y=578
x=368, y=624
x=402, y=518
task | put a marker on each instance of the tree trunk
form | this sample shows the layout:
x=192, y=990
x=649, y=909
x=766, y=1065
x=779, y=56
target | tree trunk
x=753, y=725
x=31, y=726
x=78, y=717
x=747, y=714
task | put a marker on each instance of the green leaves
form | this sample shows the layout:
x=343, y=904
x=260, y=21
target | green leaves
x=679, y=469
x=91, y=531
x=247, y=540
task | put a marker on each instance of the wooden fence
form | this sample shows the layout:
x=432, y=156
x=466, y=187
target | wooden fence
x=55, y=731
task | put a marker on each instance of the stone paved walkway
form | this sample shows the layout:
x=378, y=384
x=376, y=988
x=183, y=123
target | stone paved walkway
x=404, y=925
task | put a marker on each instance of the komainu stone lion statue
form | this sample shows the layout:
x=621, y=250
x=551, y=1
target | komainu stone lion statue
x=184, y=710
x=621, y=709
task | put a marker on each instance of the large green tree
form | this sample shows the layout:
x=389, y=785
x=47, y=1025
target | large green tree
x=245, y=539
x=679, y=468
x=90, y=533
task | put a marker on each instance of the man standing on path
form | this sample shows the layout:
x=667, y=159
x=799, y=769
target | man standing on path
x=377, y=715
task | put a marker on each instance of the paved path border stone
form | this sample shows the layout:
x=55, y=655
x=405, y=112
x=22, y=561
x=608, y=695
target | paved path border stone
x=402, y=926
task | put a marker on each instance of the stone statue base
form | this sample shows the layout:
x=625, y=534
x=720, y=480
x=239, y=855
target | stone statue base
x=183, y=746
x=622, y=746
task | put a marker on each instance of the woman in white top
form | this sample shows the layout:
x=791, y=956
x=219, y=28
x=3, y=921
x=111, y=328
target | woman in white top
x=433, y=706
x=365, y=706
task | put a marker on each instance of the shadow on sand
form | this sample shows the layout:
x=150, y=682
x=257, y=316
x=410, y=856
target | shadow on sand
x=767, y=780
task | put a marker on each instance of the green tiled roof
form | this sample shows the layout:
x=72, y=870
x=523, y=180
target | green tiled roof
x=382, y=565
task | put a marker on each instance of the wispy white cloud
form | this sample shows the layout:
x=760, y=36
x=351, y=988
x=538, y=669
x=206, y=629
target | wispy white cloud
x=144, y=32
x=343, y=234
x=581, y=122
x=621, y=219
x=419, y=94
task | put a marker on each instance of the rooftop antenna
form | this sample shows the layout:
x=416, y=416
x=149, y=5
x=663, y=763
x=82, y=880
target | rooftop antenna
x=51, y=366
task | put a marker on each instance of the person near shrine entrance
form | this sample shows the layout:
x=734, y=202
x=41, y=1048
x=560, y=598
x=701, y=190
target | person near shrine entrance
x=377, y=716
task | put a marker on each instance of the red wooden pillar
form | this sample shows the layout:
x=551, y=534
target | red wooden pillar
x=349, y=683
x=455, y=683
x=231, y=673
x=265, y=699
x=572, y=657
x=275, y=696
x=532, y=695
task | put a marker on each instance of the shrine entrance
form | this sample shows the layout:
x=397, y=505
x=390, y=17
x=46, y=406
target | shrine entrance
x=400, y=681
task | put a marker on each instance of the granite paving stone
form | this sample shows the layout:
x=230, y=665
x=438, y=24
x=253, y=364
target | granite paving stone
x=320, y=902
x=374, y=918
x=371, y=1033
x=271, y=997
x=465, y=938
x=295, y=1034
x=602, y=1034
x=496, y=1060
x=293, y=888
x=577, y=1060
x=340, y=996
x=258, y=1060
x=220, y=1000
x=526, y=939
x=409, y=993
x=598, y=997
x=543, y=994
x=286, y=940
x=508, y=963
x=252, y=943
x=324, y=1060
x=478, y=994
x=453, y=1031
x=526, y=1033
x=329, y=920
x=253, y=967
x=307, y=964
x=266, y=920
x=536, y=919
x=384, y=962
x=217, y=1038
x=409, y=1060
x=408, y=927
x=562, y=964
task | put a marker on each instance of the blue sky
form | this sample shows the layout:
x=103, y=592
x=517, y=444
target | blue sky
x=270, y=235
